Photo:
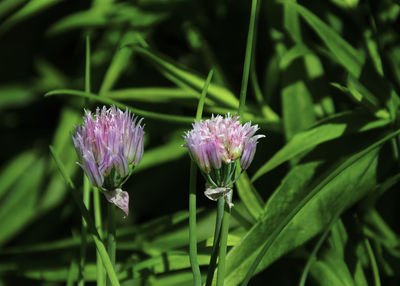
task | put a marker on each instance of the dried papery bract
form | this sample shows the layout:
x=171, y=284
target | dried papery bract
x=215, y=145
x=109, y=144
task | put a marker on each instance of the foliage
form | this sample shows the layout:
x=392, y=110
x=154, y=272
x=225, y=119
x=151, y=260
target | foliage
x=318, y=205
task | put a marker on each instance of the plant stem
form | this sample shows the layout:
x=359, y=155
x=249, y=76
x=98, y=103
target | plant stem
x=192, y=196
x=223, y=245
x=247, y=59
x=372, y=260
x=217, y=235
x=70, y=277
x=97, y=221
x=101, y=249
x=111, y=242
x=82, y=260
x=312, y=256
x=192, y=227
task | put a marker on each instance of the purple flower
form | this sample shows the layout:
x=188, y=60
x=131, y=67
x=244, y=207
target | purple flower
x=108, y=144
x=218, y=142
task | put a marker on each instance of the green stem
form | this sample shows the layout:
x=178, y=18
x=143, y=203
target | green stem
x=194, y=262
x=218, y=174
x=223, y=246
x=247, y=59
x=111, y=242
x=97, y=221
x=86, y=185
x=313, y=254
x=217, y=232
x=202, y=99
x=227, y=174
x=87, y=65
x=372, y=260
x=71, y=271
x=192, y=227
x=82, y=260
x=211, y=181
x=101, y=249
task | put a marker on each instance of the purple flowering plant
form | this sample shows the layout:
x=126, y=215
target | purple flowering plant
x=109, y=145
x=215, y=145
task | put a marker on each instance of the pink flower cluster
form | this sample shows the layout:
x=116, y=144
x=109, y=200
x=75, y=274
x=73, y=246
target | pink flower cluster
x=222, y=140
x=107, y=144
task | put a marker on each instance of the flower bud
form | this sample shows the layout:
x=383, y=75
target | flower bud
x=248, y=153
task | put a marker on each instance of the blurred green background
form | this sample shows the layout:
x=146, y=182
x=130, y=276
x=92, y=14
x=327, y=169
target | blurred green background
x=324, y=87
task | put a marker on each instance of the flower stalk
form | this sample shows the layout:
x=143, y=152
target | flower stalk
x=217, y=145
x=192, y=227
x=192, y=196
x=223, y=245
x=111, y=239
x=109, y=145
x=215, y=248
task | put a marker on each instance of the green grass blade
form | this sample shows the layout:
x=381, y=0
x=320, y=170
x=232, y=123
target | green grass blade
x=14, y=170
x=85, y=214
x=215, y=92
x=7, y=6
x=249, y=196
x=328, y=130
x=202, y=100
x=372, y=261
x=119, y=62
x=144, y=113
x=30, y=9
x=349, y=57
x=157, y=95
x=313, y=255
x=247, y=59
x=72, y=269
x=330, y=177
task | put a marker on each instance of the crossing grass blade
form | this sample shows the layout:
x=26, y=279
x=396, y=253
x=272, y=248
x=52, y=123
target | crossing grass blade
x=144, y=113
x=91, y=227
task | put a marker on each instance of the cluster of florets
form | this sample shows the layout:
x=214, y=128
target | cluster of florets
x=109, y=144
x=215, y=144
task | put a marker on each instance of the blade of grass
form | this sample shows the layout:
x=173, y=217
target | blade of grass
x=82, y=261
x=191, y=80
x=372, y=261
x=144, y=113
x=71, y=270
x=247, y=59
x=30, y=9
x=156, y=95
x=118, y=64
x=14, y=169
x=101, y=249
x=315, y=250
x=192, y=196
x=348, y=163
x=7, y=6
x=202, y=99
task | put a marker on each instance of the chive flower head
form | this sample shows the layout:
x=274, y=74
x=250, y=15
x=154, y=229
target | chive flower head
x=219, y=140
x=109, y=144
